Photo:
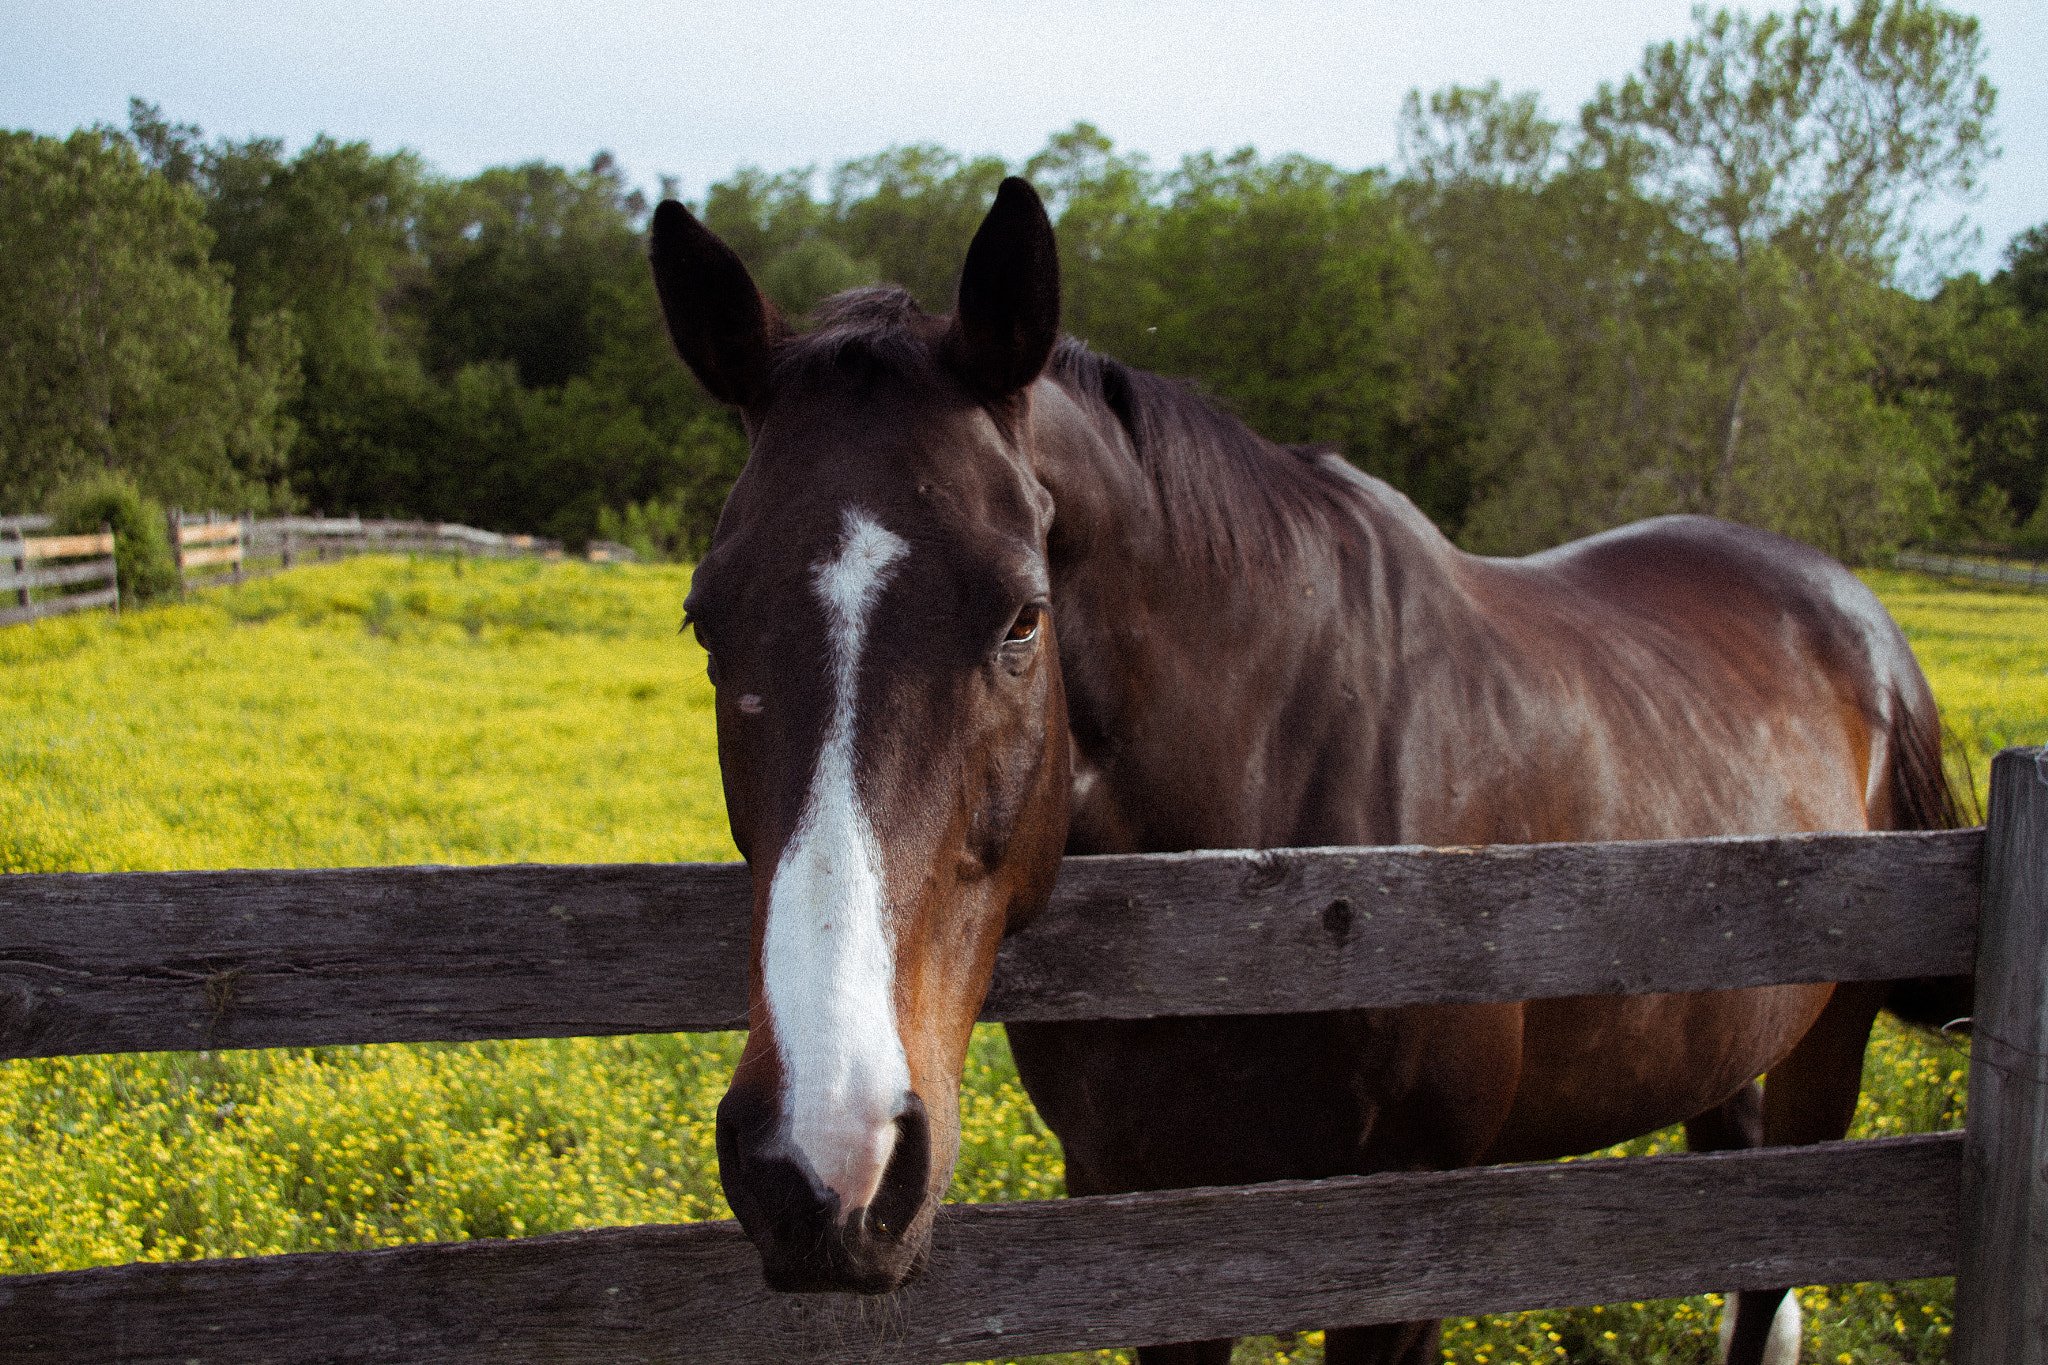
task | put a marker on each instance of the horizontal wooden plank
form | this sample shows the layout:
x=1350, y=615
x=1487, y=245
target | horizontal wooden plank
x=22, y=525
x=57, y=576
x=208, y=533
x=36, y=611
x=1065, y=1275
x=223, y=554
x=309, y=526
x=1276, y=931
x=65, y=547
x=165, y=960
x=1995, y=571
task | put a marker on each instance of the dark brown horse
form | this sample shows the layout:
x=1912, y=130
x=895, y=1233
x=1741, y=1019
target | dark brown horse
x=981, y=598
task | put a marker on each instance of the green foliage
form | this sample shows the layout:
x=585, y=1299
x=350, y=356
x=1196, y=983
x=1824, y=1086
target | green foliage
x=1684, y=300
x=1690, y=307
x=1989, y=345
x=142, y=542
x=118, y=355
x=390, y=711
x=657, y=531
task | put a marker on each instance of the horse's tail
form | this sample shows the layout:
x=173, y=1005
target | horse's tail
x=1921, y=798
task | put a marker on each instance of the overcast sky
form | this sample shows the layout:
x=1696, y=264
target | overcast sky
x=695, y=90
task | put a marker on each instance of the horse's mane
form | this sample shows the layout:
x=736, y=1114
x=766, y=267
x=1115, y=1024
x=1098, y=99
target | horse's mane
x=1232, y=499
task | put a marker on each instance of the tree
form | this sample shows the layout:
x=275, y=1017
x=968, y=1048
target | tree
x=116, y=350
x=1795, y=146
x=1990, y=346
x=907, y=214
x=515, y=256
x=786, y=237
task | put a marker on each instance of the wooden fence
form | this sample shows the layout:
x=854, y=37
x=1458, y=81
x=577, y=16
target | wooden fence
x=137, y=961
x=294, y=540
x=208, y=549
x=27, y=564
x=1982, y=566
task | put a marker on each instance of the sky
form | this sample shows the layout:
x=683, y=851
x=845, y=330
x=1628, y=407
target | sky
x=696, y=90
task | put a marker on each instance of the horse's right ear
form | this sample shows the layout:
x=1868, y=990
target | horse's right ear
x=717, y=318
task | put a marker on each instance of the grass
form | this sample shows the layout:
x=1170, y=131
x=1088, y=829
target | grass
x=390, y=711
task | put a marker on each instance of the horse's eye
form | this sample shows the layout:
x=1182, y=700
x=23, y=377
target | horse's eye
x=1025, y=627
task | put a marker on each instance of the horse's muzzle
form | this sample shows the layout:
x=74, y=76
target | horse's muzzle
x=805, y=1245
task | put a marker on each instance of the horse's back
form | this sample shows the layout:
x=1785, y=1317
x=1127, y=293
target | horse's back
x=1688, y=676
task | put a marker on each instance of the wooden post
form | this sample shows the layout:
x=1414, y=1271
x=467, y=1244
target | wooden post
x=176, y=518
x=113, y=573
x=21, y=563
x=2002, y=1270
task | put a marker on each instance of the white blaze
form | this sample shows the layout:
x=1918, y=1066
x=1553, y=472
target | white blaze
x=828, y=961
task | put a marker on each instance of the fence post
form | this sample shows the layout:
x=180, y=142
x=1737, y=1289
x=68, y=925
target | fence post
x=113, y=567
x=21, y=564
x=176, y=518
x=2002, y=1268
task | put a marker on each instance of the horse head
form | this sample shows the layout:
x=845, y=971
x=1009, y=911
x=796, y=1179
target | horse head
x=876, y=607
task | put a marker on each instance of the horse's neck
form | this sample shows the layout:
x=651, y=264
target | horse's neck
x=1182, y=666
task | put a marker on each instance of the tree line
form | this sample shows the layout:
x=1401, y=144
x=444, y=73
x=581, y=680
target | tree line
x=1692, y=298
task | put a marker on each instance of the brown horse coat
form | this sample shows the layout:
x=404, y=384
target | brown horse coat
x=981, y=597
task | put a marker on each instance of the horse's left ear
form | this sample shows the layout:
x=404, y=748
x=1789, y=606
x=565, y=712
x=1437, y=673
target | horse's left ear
x=1007, y=313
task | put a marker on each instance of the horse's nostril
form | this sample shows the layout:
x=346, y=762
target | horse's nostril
x=901, y=1194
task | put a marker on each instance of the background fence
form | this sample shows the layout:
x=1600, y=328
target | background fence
x=29, y=565
x=1981, y=564
x=116, y=962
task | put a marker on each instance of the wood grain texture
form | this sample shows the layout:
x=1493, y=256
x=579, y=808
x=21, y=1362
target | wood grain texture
x=55, y=606
x=153, y=961
x=1058, y=1276
x=206, y=533
x=223, y=554
x=169, y=960
x=2002, y=1288
x=1296, y=929
x=63, y=575
x=65, y=547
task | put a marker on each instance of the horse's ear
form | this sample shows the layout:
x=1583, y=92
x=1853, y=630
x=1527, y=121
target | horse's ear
x=1007, y=314
x=716, y=316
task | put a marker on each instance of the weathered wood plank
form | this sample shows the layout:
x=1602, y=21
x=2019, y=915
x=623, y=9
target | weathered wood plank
x=206, y=533
x=62, y=575
x=222, y=554
x=142, y=961
x=65, y=547
x=2002, y=1291
x=149, y=961
x=1297, y=929
x=53, y=606
x=1060, y=1276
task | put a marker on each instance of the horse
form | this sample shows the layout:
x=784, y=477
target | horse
x=981, y=597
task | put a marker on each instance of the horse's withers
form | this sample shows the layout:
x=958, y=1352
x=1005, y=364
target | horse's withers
x=898, y=597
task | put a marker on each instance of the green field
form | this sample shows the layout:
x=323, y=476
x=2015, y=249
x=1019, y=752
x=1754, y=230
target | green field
x=385, y=711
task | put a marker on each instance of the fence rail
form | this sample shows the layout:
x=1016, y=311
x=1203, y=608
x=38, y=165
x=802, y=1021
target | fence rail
x=1065, y=1275
x=22, y=554
x=1980, y=566
x=140, y=961
x=293, y=540
x=240, y=959
x=214, y=548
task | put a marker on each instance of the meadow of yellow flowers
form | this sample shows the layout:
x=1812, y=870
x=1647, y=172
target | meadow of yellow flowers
x=388, y=711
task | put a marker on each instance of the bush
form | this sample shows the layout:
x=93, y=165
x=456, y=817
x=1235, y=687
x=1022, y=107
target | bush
x=656, y=531
x=142, y=544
